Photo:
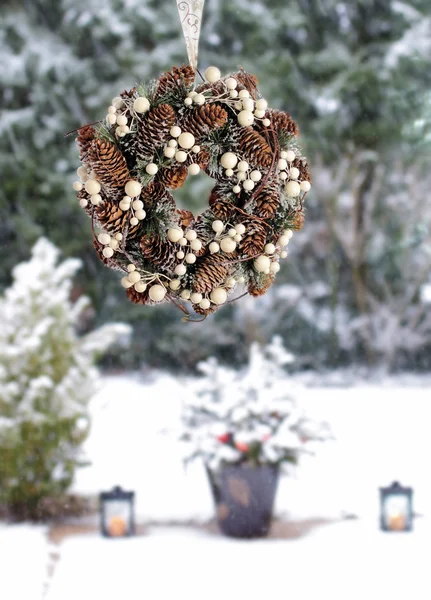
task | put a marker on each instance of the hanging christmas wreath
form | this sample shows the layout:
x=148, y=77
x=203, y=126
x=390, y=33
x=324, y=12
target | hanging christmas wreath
x=153, y=137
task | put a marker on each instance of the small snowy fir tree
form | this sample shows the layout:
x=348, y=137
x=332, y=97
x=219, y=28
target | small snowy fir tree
x=247, y=416
x=47, y=377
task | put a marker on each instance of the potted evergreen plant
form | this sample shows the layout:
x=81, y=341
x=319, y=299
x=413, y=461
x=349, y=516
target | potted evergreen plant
x=245, y=426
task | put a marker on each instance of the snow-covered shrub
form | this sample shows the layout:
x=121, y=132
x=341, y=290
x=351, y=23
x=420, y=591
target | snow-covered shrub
x=247, y=416
x=47, y=376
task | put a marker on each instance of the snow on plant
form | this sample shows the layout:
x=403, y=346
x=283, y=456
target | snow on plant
x=247, y=416
x=47, y=377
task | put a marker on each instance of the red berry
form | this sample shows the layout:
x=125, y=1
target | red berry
x=224, y=438
x=242, y=446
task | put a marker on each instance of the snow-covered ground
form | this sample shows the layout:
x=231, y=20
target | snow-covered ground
x=381, y=434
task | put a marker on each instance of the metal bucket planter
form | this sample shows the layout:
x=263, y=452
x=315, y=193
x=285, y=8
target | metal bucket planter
x=244, y=498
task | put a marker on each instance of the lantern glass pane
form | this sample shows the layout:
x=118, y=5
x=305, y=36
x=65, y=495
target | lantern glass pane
x=117, y=514
x=396, y=512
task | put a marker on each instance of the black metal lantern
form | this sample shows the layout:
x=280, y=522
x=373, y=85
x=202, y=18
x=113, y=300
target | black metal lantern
x=396, y=508
x=117, y=513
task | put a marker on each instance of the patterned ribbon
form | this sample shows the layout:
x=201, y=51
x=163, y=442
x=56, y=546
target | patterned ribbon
x=190, y=12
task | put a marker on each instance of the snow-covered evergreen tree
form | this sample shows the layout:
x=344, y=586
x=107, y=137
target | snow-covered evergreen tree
x=247, y=416
x=47, y=376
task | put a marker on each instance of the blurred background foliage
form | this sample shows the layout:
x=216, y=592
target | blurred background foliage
x=355, y=75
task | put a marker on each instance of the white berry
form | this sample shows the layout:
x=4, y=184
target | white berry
x=175, y=284
x=240, y=228
x=255, y=175
x=182, y=241
x=108, y=252
x=248, y=104
x=133, y=188
x=191, y=234
x=140, y=287
x=131, y=267
x=283, y=254
x=180, y=269
x=199, y=99
x=151, y=168
x=238, y=237
x=217, y=226
x=104, y=238
x=212, y=74
x=218, y=296
x=157, y=292
x=196, y=149
x=228, y=245
x=231, y=83
x=77, y=186
x=283, y=176
x=181, y=156
x=243, y=166
x=96, y=199
x=270, y=248
x=188, y=101
x=124, y=205
x=245, y=118
x=244, y=94
x=169, y=152
x=232, y=232
x=294, y=173
x=283, y=240
x=229, y=172
x=204, y=303
x=126, y=283
x=175, y=234
x=283, y=154
x=141, y=105
x=214, y=247
x=185, y=294
x=83, y=202
x=134, y=276
x=92, y=187
x=228, y=160
x=282, y=164
x=175, y=131
x=122, y=120
x=262, y=263
x=293, y=189
x=134, y=221
x=186, y=140
x=230, y=282
x=196, y=297
x=173, y=143
x=236, y=189
x=112, y=119
x=259, y=114
x=194, y=169
x=305, y=186
x=266, y=122
x=261, y=104
x=233, y=94
x=290, y=155
x=140, y=214
x=190, y=258
x=180, y=255
x=248, y=185
x=196, y=245
x=275, y=267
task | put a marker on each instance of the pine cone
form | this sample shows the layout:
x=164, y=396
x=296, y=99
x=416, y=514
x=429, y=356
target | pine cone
x=138, y=297
x=297, y=221
x=254, y=239
x=186, y=217
x=114, y=220
x=202, y=158
x=108, y=163
x=255, y=148
x=200, y=121
x=259, y=290
x=204, y=311
x=153, y=194
x=282, y=121
x=267, y=201
x=173, y=177
x=84, y=138
x=108, y=262
x=221, y=207
x=248, y=81
x=157, y=250
x=304, y=171
x=154, y=131
x=179, y=75
x=209, y=273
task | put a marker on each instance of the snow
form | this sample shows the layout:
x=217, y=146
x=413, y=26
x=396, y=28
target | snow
x=338, y=562
x=24, y=560
x=381, y=431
